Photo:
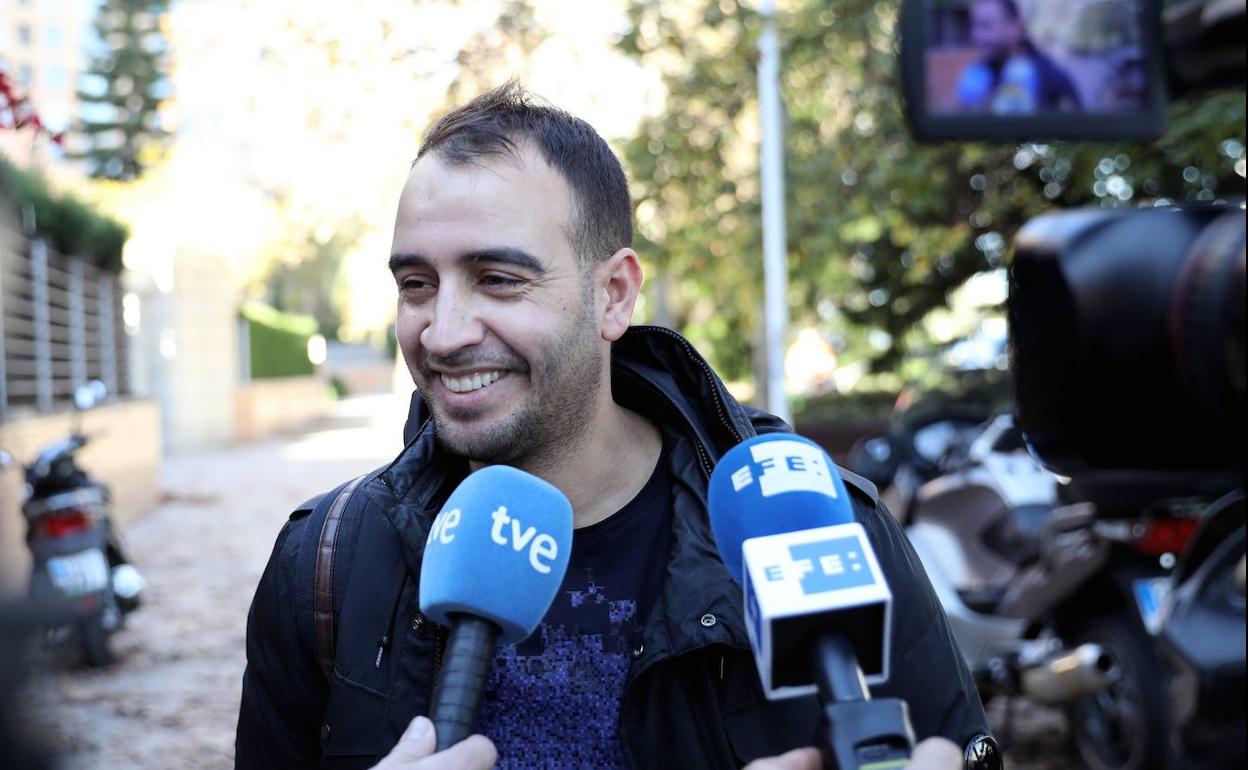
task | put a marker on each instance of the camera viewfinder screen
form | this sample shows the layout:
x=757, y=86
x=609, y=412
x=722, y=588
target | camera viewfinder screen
x=1034, y=57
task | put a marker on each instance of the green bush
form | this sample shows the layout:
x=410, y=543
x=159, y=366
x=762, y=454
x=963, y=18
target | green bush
x=71, y=226
x=278, y=341
x=854, y=407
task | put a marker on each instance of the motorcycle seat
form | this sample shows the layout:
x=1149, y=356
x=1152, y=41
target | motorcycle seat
x=982, y=600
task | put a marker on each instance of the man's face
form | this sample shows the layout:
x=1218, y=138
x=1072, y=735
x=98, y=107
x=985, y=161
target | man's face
x=495, y=319
x=993, y=30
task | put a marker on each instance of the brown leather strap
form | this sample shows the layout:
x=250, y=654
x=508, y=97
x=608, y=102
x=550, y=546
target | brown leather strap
x=323, y=617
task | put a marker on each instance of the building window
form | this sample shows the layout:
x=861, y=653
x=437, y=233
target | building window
x=23, y=34
x=26, y=76
x=54, y=77
x=52, y=38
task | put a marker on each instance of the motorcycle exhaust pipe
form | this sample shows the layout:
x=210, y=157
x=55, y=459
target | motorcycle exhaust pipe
x=1070, y=675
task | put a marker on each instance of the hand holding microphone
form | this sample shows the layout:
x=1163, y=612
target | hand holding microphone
x=818, y=610
x=494, y=560
x=415, y=751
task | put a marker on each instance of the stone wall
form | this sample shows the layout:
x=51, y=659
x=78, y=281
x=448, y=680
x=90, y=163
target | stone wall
x=266, y=407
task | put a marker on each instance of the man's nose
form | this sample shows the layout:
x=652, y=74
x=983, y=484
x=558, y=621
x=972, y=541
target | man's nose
x=455, y=324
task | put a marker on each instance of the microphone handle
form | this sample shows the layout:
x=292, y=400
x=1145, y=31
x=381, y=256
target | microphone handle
x=856, y=732
x=465, y=665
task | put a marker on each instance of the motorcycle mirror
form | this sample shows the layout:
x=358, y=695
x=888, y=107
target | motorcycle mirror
x=89, y=394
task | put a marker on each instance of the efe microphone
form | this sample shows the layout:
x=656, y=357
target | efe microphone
x=494, y=560
x=818, y=610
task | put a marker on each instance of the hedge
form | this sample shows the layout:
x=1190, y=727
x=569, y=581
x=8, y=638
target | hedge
x=71, y=226
x=278, y=341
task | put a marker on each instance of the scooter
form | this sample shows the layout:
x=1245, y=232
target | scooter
x=80, y=572
x=1045, y=598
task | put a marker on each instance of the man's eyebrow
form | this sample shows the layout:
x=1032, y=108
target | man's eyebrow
x=400, y=261
x=504, y=255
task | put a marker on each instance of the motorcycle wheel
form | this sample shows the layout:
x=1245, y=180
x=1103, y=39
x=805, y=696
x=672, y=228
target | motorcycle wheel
x=96, y=651
x=1125, y=726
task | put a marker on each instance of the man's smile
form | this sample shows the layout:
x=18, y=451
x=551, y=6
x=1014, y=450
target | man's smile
x=470, y=382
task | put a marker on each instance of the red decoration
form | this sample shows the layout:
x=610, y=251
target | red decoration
x=16, y=112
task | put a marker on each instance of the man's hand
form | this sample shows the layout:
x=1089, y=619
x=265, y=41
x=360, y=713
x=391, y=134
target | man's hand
x=931, y=754
x=797, y=759
x=414, y=751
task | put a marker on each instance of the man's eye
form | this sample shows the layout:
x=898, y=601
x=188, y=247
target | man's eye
x=414, y=283
x=496, y=281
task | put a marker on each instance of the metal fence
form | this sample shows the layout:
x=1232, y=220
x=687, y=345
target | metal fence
x=60, y=325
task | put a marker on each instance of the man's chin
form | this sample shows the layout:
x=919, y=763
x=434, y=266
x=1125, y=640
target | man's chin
x=480, y=443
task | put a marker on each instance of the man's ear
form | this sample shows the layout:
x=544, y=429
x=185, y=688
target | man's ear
x=617, y=282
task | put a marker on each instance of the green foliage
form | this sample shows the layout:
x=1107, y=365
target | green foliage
x=338, y=389
x=304, y=275
x=837, y=408
x=120, y=124
x=71, y=226
x=880, y=228
x=278, y=341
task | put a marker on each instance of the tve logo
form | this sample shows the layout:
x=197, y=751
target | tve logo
x=543, y=548
x=786, y=466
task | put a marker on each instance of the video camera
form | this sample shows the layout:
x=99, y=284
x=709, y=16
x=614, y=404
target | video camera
x=1127, y=329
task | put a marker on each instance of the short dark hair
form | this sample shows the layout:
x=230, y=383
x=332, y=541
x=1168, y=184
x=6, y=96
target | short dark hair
x=493, y=123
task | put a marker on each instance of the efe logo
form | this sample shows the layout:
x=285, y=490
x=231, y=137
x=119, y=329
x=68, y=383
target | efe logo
x=787, y=466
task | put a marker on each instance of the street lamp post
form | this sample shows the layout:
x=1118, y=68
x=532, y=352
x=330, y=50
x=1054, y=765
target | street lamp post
x=775, y=262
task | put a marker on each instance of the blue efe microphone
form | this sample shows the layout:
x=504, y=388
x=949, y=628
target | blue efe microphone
x=818, y=609
x=772, y=484
x=494, y=560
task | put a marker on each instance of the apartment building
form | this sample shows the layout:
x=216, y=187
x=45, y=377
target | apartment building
x=43, y=50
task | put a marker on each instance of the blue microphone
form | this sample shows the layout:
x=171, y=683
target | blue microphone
x=818, y=610
x=494, y=560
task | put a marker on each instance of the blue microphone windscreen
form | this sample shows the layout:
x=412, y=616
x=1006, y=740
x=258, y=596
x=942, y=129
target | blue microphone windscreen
x=498, y=550
x=771, y=484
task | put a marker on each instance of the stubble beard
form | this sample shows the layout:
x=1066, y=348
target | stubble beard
x=551, y=423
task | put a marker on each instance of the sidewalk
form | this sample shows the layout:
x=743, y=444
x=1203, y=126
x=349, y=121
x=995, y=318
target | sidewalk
x=171, y=700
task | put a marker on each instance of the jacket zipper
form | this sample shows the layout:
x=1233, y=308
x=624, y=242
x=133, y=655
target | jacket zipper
x=707, y=465
x=387, y=639
x=710, y=377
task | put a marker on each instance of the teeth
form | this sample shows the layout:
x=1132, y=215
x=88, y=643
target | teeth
x=470, y=383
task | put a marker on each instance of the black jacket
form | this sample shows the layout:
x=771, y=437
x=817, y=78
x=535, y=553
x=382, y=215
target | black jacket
x=692, y=698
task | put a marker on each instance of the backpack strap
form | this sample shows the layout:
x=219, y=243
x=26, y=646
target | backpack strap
x=323, y=601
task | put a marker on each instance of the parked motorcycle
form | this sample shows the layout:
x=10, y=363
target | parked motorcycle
x=1203, y=640
x=79, y=570
x=1045, y=598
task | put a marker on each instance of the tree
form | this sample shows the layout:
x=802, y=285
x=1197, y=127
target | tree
x=880, y=228
x=119, y=123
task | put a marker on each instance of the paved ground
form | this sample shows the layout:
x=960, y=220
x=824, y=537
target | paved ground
x=172, y=699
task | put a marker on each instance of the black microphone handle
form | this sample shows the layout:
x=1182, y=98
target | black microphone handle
x=837, y=673
x=465, y=665
x=857, y=732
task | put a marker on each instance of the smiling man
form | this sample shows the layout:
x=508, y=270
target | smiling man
x=516, y=285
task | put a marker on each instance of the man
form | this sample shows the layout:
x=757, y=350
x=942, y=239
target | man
x=517, y=281
x=1014, y=77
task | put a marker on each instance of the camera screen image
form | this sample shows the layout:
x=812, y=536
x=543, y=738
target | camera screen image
x=1034, y=57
